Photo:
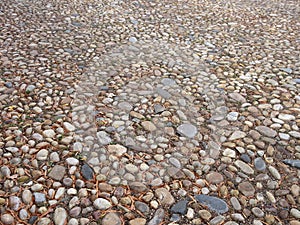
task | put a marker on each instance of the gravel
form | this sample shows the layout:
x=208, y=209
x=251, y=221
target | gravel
x=149, y=112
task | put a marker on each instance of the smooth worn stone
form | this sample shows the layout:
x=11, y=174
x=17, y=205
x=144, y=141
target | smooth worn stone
x=148, y=126
x=39, y=198
x=103, y=138
x=87, y=172
x=7, y=219
x=168, y=82
x=246, y=158
x=235, y=203
x=142, y=207
x=138, y=187
x=14, y=202
x=292, y=162
x=232, y=116
x=119, y=150
x=286, y=117
x=125, y=106
x=246, y=188
x=217, y=220
x=259, y=164
x=274, y=172
x=244, y=167
x=138, y=221
x=27, y=197
x=164, y=196
x=237, y=135
x=49, y=133
x=214, y=178
x=23, y=214
x=158, y=217
x=179, y=207
x=33, y=219
x=238, y=217
x=44, y=221
x=72, y=161
x=237, y=97
x=158, y=108
x=111, y=219
x=213, y=203
x=295, y=213
x=102, y=204
x=42, y=155
x=60, y=216
x=204, y=214
x=69, y=127
x=57, y=172
x=266, y=131
x=187, y=130
x=258, y=212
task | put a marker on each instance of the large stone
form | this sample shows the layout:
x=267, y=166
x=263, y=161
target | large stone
x=119, y=150
x=246, y=188
x=148, y=126
x=7, y=219
x=164, y=196
x=237, y=97
x=57, y=172
x=103, y=138
x=244, y=167
x=266, y=131
x=237, y=135
x=187, y=130
x=180, y=207
x=214, y=178
x=60, y=216
x=138, y=187
x=102, y=204
x=213, y=203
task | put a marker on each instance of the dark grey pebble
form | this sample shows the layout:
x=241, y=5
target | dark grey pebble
x=245, y=158
x=213, y=203
x=87, y=172
x=180, y=207
x=158, y=217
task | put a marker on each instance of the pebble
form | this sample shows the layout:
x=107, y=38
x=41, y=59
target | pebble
x=60, y=216
x=259, y=164
x=213, y=203
x=87, y=172
x=257, y=212
x=57, y=172
x=187, y=130
x=180, y=207
x=111, y=219
x=158, y=217
x=204, y=214
x=7, y=219
x=102, y=204
x=237, y=135
x=244, y=167
x=164, y=196
x=268, y=132
x=295, y=213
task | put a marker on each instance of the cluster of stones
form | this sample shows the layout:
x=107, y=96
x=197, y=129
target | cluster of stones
x=229, y=150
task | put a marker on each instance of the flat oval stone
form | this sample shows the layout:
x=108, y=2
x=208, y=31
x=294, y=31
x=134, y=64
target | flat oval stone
x=213, y=203
x=187, y=130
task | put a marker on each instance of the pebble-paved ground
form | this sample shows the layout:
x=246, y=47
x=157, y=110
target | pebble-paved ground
x=149, y=112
